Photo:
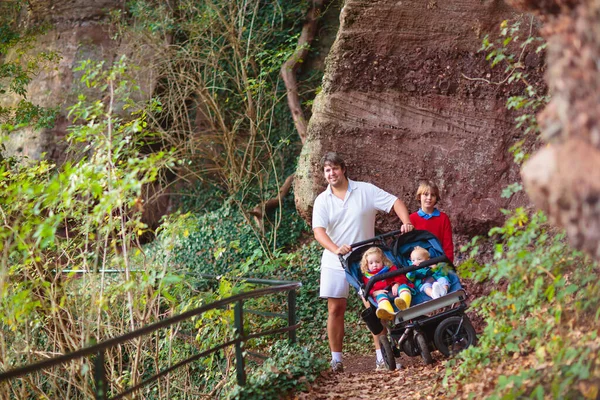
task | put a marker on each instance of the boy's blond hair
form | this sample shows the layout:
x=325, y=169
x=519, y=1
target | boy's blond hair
x=428, y=187
x=418, y=250
x=364, y=267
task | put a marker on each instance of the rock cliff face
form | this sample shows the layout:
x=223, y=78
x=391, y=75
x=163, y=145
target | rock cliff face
x=564, y=178
x=404, y=98
x=79, y=31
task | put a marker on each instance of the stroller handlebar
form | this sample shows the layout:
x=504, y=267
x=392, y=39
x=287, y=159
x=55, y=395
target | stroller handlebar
x=372, y=240
x=403, y=270
x=376, y=238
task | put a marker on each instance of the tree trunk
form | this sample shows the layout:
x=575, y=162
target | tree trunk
x=289, y=68
x=288, y=73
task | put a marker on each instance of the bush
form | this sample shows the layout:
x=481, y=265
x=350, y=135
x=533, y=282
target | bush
x=544, y=313
x=290, y=367
x=82, y=216
x=223, y=242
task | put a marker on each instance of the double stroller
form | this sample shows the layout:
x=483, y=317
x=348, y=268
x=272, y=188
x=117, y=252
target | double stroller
x=428, y=324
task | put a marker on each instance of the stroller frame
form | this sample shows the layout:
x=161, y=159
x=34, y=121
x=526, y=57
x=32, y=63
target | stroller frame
x=414, y=331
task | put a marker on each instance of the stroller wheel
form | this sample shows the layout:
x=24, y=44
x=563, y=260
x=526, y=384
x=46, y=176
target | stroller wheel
x=410, y=348
x=423, y=348
x=388, y=353
x=454, y=335
x=396, y=351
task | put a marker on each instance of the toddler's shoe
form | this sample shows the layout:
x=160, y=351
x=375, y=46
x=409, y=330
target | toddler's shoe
x=401, y=304
x=385, y=310
x=438, y=290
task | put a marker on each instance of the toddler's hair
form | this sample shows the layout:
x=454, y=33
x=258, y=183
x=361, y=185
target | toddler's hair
x=364, y=267
x=428, y=187
x=418, y=250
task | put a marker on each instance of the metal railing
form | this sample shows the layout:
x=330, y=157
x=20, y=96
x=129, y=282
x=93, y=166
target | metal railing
x=97, y=350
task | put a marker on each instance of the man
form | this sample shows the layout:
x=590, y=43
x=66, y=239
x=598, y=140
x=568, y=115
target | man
x=344, y=214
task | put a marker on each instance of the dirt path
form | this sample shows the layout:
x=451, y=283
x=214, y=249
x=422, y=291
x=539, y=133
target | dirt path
x=414, y=380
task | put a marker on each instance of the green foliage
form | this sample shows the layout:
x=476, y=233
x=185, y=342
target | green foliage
x=222, y=241
x=543, y=311
x=82, y=216
x=304, y=266
x=511, y=189
x=498, y=51
x=288, y=368
x=224, y=101
x=201, y=197
x=510, y=49
x=153, y=17
x=20, y=62
x=215, y=327
x=542, y=314
x=85, y=215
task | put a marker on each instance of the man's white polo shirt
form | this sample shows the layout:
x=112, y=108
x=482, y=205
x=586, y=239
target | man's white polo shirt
x=350, y=220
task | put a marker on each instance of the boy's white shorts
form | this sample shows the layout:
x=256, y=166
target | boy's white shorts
x=333, y=283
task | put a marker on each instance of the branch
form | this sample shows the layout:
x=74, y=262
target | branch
x=260, y=210
x=289, y=68
x=288, y=73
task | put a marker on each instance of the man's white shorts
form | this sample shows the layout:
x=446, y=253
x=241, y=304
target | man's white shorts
x=333, y=283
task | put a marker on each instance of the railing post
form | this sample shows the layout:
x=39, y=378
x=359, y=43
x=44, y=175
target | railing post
x=239, y=347
x=99, y=376
x=292, y=314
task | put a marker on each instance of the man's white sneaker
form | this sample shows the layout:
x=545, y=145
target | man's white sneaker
x=337, y=366
x=380, y=366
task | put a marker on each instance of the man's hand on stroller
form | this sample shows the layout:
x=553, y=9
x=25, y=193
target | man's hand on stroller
x=343, y=250
x=405, y=228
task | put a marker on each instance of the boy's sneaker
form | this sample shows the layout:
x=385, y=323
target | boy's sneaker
x=337, y=366
x=380, y=366
x=401, y=304
x=438, y=290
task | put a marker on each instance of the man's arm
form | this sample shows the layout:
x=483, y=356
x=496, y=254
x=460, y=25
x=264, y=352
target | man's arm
x=402, y=213
x=324, y=240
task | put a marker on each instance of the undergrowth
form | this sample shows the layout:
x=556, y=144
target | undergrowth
x=289, y=368
x=541, y=330
x=219, y=243
x=541, y=337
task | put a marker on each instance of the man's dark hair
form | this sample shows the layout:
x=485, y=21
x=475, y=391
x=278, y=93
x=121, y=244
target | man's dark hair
x=333, y=158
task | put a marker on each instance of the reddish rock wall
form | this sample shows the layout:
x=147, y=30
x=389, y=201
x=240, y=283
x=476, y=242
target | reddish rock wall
x=79, y=31
x=400, y=104
x=563, y=179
